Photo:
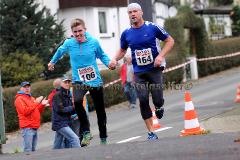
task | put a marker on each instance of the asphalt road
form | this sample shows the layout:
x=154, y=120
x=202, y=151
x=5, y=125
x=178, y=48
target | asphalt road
x=204, y=147
x=211, y=96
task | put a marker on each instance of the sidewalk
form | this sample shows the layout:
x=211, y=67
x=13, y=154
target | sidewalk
x=226, y=122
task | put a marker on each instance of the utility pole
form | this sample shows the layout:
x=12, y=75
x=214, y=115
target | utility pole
x=2, y=122
x=147, y=7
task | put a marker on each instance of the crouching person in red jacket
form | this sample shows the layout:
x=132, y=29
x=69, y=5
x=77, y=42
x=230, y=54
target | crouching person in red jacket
x=29, y=110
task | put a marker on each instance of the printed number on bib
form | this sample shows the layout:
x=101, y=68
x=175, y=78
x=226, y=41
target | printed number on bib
x=87, y=74
x=144, y=57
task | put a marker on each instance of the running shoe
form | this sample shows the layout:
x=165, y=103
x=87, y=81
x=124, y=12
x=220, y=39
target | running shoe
x=152, y=136
x=159, y=112
x=103, y=141
x=86, y=139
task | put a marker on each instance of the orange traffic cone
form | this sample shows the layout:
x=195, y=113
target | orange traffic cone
x=192, y=126
x=156, y=124
x=237, y=100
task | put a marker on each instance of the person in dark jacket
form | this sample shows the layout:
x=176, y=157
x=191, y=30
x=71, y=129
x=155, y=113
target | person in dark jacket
x=62, y=109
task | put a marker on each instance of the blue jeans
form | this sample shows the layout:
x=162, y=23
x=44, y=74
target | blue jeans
x=75, y=126
x=130, y=92
x=30, y=137
x=66, y=133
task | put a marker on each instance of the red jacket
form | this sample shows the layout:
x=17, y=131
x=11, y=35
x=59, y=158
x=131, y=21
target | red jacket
x=28, y=111
x=50, y=97
x=123, y=73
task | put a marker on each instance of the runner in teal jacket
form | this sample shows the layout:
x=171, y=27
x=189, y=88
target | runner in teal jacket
x=83, y=59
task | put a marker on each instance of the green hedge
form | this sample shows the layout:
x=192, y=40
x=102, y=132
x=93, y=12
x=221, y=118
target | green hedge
x=218, y=48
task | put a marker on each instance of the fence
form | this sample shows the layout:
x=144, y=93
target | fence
x=193, y=66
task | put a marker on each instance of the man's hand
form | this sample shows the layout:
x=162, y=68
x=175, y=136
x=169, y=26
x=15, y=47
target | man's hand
x=158, y=61
x=39, y=99
x=45, y=102
x=50, y=66
x=112, y=65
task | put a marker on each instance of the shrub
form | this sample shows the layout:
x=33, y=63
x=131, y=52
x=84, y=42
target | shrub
x=11, y=120
x=20, y=66
x=218, y=48
x=235, y=16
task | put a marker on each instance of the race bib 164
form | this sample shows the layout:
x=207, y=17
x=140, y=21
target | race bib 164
x=144, y=57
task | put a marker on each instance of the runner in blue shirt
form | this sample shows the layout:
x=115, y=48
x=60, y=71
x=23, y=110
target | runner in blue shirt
x=83, y=50
x=148, y=61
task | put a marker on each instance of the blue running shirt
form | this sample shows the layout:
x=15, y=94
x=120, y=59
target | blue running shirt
x=144, y=45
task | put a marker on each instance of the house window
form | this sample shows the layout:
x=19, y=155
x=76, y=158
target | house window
x=216, y=25
x=102, y=18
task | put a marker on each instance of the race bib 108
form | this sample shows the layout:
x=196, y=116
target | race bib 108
x=87, y=74
x=144, y=57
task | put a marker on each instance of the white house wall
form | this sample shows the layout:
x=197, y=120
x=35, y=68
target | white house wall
x=123, y=19
x=109, y=41
x=53, y=5
x=162, y=12
x=81, y=12
x=227, y=27
x=206, y=21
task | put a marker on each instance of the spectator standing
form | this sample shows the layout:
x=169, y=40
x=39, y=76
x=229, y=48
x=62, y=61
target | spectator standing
x=29, y=110
x=127, y=77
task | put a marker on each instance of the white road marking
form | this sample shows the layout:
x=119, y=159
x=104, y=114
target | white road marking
x=162, y=129
x=132, y=138
x=129, y=139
